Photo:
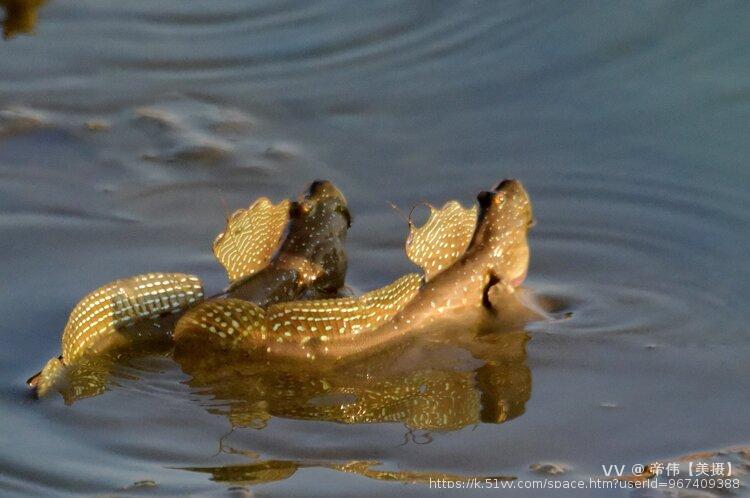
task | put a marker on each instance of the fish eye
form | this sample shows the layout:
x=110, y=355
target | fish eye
x=484, y=199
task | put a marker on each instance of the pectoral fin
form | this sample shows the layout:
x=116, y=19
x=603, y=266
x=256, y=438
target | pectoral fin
x=443, y=239
x=87, y=378
x=251, y=238
x=496, y=292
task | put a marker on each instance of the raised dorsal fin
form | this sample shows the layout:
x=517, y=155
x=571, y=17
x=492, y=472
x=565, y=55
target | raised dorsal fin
x=326, y=319
x=223, y=322
x=443, y=238
x=251, y=238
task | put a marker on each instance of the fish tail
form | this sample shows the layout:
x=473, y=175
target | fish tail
x=51, y=378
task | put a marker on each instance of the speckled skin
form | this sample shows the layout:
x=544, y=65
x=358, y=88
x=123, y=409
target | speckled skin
x=311, y=261
x=425, y=388
x=114, y=316
x=341, y=329
x=497, y=256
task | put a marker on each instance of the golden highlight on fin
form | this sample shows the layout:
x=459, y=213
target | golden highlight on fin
x=224, y=322
x=123, y=302
x=443, y=239
x=251, y=237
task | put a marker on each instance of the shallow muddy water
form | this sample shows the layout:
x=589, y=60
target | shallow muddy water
x=127, y=130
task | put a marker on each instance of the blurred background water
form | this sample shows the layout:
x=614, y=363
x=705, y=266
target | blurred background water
x=126, y=127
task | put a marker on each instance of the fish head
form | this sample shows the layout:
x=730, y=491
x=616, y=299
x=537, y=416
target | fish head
x=319, y=221
x=505, y=217
x=323, y=203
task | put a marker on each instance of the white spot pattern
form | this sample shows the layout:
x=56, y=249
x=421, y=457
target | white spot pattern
x=298, y=322
x=123, y=302
x=443, y=239
x=251, y=237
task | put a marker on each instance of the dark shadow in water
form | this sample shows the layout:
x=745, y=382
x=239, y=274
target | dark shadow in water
x=20, y=16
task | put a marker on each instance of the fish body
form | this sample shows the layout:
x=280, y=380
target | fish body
x=496, y=258
x=271, y=253
x=311, y=261
x=261, y=313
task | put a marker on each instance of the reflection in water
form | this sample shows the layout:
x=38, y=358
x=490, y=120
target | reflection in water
x=91, y=374
x=424, y=387
x=405, y=386
x=452, y=378
x=20, y=16
x=276, y=470
x=457, y=377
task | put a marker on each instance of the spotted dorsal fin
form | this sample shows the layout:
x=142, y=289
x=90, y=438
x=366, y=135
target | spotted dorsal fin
x=225, y=323
x=443, y=238
x=325, y=319
x=251, y=238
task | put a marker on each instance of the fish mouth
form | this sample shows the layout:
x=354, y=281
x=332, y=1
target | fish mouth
x=507, y=184
x=516, y=282
x=514, y=189
x=324, y=189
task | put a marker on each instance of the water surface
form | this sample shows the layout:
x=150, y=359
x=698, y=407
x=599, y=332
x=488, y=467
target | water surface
x=127, y=130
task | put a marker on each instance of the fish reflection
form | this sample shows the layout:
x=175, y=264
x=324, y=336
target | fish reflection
x=20, y=16
x=92, y=375
x=265, y=471
x=424, y=387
